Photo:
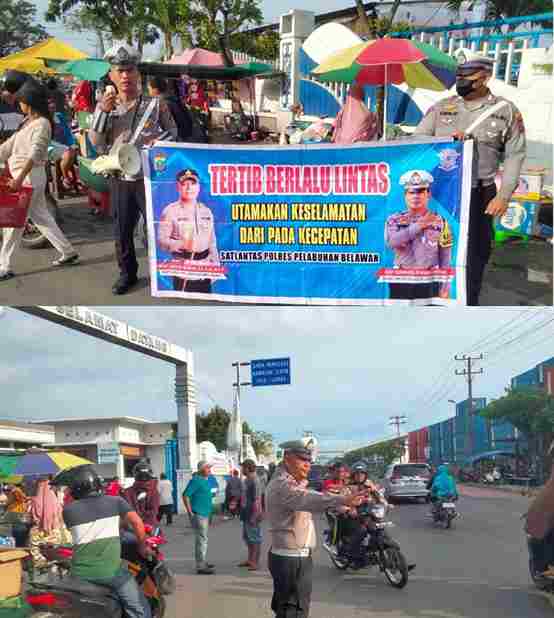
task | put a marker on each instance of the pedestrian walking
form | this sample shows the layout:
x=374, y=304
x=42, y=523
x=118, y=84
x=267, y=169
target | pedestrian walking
x=251, y=514
x=26, y=152
x=165, y=487
x=289, y=508
x=198, y=501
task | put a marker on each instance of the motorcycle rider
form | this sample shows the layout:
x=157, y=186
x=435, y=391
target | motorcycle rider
x=93, y=520
x=339, y=472
x=354, y=526
x=143, y=495
x=443, y=486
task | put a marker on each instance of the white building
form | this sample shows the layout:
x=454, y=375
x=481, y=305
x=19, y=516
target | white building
x=115, y=444
x=20, y=436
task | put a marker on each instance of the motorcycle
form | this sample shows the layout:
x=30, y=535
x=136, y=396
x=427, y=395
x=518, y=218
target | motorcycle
x=378, y=548
x=444, y=512
x=62, y=596
x=492, y=478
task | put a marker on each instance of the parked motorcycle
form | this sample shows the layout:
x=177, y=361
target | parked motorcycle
x=444, y=512
x=378, y=548
x=62, y=596
x=492, y=478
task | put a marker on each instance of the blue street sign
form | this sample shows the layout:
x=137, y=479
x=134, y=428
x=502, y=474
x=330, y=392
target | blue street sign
x=270, y=371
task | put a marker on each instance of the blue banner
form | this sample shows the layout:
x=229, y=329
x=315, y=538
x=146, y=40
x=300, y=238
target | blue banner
x=379, y=223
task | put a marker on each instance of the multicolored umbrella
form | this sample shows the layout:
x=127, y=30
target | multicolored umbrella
x=43, y=463
x=390, y=61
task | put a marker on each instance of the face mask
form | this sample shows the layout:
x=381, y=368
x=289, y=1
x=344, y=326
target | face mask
x=464, y=86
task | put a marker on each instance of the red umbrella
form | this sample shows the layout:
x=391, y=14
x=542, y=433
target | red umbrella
x=383, y=64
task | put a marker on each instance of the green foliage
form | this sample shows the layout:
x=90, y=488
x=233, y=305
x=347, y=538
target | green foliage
x=17, y=28
x=263, y=47
x=388, y=451
x=216, y=21
x=381, y=26
x=531, y=410
x=212, y=427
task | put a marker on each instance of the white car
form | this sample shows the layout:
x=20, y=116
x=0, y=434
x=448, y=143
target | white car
x=407, y=481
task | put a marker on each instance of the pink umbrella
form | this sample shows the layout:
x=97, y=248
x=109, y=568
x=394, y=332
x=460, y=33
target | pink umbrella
x=198, y=56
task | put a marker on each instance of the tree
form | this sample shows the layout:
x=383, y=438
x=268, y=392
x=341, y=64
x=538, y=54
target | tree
x=531, y=411
x=17, y=28
x=84, y=19
x=263, y=47
x=212, y=427
x=388, y=452
x=219, y=20
x=262, y=443
x=124, y=18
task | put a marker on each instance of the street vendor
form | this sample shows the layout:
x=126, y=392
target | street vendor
x=499, y=133
x=187, y=231
x=124, y=115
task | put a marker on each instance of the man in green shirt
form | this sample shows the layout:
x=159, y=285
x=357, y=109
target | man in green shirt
x=198, y=501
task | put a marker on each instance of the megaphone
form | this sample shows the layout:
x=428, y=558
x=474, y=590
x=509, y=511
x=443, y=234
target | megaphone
x=123, y=158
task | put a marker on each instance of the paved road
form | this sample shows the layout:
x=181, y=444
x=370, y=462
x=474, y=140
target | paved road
x=517, y=275
x=476, y=570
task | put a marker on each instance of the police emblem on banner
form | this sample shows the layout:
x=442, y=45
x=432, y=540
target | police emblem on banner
x=160, y=162
x=448, y=159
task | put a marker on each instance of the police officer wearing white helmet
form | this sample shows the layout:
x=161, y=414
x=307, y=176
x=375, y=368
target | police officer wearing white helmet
x=123, y=115
x=289, y=506
x=497, y=127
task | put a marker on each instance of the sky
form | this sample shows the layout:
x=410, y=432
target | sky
x=352, y=368
x=271, y=9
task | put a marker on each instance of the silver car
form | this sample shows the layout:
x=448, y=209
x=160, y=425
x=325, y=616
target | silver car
x=407, y=481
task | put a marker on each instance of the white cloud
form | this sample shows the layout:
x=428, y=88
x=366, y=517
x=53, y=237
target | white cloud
x=351, y=367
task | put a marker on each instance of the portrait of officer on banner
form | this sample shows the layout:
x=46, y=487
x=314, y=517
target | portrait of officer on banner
x=187, y=232
x=420, y=239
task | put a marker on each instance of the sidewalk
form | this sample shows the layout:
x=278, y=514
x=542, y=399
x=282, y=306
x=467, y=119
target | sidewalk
x=521, y=490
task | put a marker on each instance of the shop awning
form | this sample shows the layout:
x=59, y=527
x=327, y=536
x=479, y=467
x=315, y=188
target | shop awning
x=32, y=59
x=489, y=455
x=239, y=71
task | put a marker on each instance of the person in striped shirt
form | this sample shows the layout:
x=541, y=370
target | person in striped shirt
x=93, y=520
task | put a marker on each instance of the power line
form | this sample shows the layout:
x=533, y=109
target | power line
x=469, y=373
x=396, y=421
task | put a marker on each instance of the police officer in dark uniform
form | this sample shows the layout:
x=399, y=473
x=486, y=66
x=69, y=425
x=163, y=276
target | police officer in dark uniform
x=496, y=125
x=126, y=116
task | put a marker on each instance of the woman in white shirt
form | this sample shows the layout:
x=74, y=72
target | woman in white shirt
x=27, y=153
x=165, y=488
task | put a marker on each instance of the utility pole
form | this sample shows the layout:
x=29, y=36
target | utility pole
x=396, y=421
x=469, y=373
